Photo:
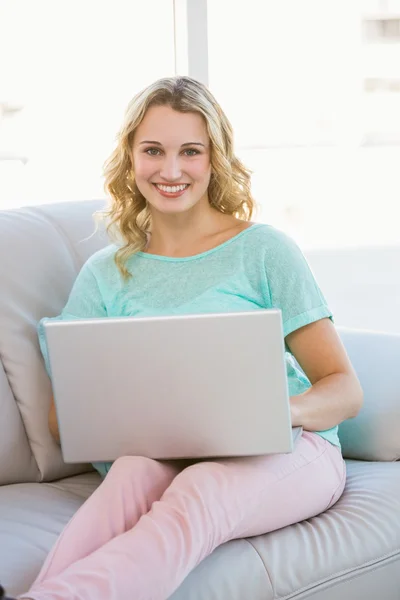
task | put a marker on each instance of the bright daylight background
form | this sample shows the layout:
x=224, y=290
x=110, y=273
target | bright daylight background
x=312, y=89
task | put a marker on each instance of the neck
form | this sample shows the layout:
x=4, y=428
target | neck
x=172, y=234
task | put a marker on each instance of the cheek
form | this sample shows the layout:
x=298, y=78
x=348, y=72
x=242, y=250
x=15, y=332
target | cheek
x=201, y=170
x=143, y=169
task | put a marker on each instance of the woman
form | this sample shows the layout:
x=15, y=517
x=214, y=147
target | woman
x=181, y=210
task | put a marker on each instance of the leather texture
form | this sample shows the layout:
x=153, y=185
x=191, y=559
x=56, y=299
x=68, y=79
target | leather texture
x=42, y=251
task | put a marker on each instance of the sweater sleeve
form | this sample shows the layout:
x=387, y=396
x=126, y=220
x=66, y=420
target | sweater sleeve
x=292, y=285
x=85, y=301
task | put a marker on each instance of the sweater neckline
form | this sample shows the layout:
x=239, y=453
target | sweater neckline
x=202, y=254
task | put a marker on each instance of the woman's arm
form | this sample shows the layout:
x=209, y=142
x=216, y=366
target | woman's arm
x=85, y=301
x=327, y=402
x=53, y=423
x=335, y=393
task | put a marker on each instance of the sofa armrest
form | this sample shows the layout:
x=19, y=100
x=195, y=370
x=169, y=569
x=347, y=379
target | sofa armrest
x=375, y=433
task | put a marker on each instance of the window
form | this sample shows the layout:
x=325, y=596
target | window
x=312, y=89
x=68, y=70
x=296, y=81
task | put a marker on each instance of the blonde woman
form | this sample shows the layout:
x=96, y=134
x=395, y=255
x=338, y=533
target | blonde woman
x=181, y=211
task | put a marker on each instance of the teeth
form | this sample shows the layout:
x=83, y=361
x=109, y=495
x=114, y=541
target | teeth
x=172, y=189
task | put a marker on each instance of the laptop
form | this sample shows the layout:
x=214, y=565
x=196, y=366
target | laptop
x=188, y=386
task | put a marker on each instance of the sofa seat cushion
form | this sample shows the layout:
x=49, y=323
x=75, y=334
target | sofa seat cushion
x=320, y=558
x=350, y=551
x=32, y=516
x=359, y=534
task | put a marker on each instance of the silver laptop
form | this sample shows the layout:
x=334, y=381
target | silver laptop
x=190, y=386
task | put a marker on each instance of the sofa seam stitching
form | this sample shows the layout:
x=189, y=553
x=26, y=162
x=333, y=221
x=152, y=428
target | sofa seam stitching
x=64, y=490
x=28, y=439
x=262, y=562
x=337, y=576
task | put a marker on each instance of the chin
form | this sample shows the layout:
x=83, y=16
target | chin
x=170, y=207
x=174, y=210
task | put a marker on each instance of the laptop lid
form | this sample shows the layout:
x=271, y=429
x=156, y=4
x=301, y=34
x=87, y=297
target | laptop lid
x=188, y=386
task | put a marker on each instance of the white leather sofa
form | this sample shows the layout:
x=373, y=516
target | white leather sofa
x=351, y=551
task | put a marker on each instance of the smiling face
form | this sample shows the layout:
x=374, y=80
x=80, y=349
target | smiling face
x=171, y=159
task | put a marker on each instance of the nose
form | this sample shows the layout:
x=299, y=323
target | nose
x=170, y=169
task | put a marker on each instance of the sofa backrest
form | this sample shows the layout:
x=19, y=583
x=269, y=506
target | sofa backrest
x=361, y=285
x=42, y=250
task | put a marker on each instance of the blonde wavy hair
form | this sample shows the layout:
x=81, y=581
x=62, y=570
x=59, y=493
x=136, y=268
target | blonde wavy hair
x=128, y=217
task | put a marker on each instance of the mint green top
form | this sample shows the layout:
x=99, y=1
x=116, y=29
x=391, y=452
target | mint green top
x=259, y=268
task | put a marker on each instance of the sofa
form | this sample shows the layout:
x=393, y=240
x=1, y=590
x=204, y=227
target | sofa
x=351, y=551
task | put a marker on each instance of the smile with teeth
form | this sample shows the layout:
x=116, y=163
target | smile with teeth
x=172, y=189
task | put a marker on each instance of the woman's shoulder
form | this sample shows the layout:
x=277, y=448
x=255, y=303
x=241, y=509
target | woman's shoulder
x=269, y=237
x=102, y=259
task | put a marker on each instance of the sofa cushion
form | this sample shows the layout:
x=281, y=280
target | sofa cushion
x=359, y=535
x=20, y=465
x=32, y=515
x=42, y=250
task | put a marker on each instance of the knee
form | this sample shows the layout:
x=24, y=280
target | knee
x=126, y=466
x=207, y=474
x=199, y=495
x=206, y=468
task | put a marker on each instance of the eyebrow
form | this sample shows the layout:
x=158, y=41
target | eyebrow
x=185, y=144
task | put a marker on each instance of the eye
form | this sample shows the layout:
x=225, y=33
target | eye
x=152, y=151
x=192, y=152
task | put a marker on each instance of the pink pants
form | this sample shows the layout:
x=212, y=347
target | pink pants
x=150, y=523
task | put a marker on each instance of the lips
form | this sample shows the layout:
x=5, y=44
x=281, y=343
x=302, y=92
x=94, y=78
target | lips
x=175, y=191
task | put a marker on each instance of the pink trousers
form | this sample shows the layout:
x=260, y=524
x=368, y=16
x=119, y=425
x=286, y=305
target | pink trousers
x=150, y=523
